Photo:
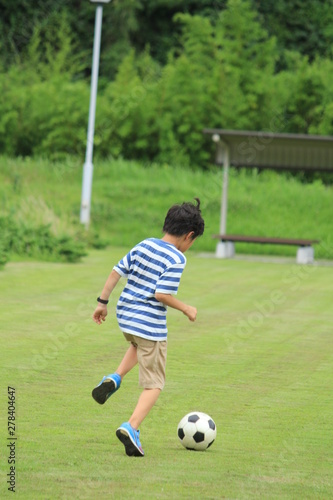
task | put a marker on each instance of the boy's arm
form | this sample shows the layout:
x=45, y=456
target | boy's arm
x=171, y=301
x=101, y=311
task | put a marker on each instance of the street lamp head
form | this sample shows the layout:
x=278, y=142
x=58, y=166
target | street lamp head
x=100, y=1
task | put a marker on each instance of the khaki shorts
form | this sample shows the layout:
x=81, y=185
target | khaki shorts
x=152, y=360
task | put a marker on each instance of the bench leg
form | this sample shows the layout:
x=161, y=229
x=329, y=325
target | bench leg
x=305, y=255
x=225, y=249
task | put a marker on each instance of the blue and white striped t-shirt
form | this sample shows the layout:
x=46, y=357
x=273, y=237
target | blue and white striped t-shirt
x=152, y=266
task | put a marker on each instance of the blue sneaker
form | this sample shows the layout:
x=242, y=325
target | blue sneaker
x=108, y=385
x=130, y=439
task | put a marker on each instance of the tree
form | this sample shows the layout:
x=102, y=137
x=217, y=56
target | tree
x=220, y=77
x=305, y=26
x=248, y=56
x=18, y=24
x=306, y=92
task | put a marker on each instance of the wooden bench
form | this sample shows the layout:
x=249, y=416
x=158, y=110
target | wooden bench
x=226, y=247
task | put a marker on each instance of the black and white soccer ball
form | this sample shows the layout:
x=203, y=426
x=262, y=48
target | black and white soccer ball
x=197, y=431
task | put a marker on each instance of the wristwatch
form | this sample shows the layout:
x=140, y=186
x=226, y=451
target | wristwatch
x=102, y=301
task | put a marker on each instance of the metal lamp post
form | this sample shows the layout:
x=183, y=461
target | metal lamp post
x=222, y=158
x=224, y=249
x=88, y=165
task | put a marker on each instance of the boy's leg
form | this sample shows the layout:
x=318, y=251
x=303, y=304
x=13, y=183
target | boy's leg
x=128, y=362
x=111, y=383
x=146, y=401
x=151, y=358
x=128, y=432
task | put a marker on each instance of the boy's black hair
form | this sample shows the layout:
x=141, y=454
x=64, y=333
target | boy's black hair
x=184, y=218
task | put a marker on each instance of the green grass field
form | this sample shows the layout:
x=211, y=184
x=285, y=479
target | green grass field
x=258, y=360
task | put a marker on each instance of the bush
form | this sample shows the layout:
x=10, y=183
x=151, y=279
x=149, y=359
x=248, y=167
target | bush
x=4, y=257
x=44, y=108
x=37, y=242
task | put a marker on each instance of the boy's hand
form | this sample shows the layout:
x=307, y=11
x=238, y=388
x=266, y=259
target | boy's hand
x=100, y=313
x=191, y=313
x=170, y=300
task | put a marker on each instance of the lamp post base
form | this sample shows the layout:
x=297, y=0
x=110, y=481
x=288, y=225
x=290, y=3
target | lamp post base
x=225, y=250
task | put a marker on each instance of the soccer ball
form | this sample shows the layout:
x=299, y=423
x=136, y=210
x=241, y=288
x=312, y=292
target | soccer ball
x=197, y=431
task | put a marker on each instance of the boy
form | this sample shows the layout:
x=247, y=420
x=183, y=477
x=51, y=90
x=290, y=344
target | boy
x=153, y=269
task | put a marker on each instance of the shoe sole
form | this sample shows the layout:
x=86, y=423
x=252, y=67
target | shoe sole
x=102, y=392
x=130, y=448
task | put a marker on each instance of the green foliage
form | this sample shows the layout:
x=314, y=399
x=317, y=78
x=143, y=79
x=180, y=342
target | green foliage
x=218, y=77
x=42, y=109
x=248, y=57
x=17, y=27
x=305, y=26
x=31, y=226
x=43, y=117
x=221, y=71
x=37, y=242
x=53, y=51
x=17, y=24
x=185, y=93
x=120, y=24
x=4, y=257
x=305, y=94
x=126, y=123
